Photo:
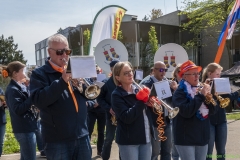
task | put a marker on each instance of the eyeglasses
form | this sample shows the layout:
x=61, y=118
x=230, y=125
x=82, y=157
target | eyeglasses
x=60, y=52
x=162, y=69
x=128, y=73
x=194, y=74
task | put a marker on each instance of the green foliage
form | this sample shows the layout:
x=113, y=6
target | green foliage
x=120, y=36
x=4, y=82
x=145, y=18
x=9, y=52
x=10, y=143
x=205, y=16
x=86, y=38
x=153, y=40
x=233, y=116
x=155, y=13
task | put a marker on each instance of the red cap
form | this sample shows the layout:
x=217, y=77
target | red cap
x=188, y=65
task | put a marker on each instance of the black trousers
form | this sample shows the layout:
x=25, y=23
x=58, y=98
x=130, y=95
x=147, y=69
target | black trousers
x=101, y=121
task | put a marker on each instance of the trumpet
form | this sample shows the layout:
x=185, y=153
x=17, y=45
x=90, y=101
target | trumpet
x=91, y=92
x=157, y=106
x=172, y=111
x=209, y=97
x=224, y=102
x=114, y=120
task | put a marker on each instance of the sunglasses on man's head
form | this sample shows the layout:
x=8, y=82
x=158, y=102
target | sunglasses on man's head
x=162, y=69
x=60, y=52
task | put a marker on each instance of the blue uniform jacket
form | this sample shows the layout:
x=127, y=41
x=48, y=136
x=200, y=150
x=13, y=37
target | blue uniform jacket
x=148, y=83
x=104, y=99
x=220, y=116
x=23, y=117
x=130, y=119
x=59, y=119
x=188, y=130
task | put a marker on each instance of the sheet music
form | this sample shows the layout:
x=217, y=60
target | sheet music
x=101, y=77
x=162, y=89
x=139, y=74
x=222, y=85
x=83, y=66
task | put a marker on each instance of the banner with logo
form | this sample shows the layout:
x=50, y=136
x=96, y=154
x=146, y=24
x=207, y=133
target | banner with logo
x=106, y=25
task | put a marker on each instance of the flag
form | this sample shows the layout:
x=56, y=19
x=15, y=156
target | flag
x=106, y=25
x=228, y=29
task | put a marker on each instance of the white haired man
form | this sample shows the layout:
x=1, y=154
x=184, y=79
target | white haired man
x=63, y=108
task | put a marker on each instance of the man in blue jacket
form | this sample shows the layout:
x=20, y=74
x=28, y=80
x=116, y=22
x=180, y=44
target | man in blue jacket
x=63, y=109
x=104, y=100
x=162, y=147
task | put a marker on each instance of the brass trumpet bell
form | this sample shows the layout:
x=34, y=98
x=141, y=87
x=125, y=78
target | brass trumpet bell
x=92, y=91
x=173, y=112
x=224, y=102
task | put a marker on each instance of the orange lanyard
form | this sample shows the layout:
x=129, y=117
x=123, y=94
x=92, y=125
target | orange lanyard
x=60, y=69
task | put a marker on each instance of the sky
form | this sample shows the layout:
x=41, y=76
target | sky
x=31, y=21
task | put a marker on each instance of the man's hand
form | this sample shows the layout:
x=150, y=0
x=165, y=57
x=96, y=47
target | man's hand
x=66, y=76
x=96, y=105
x=112, y=112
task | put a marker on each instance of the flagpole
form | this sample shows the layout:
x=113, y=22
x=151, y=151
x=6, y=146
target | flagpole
x=223, y=42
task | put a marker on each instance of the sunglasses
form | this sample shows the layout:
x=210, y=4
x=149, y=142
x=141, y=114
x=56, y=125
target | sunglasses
x=60, y=52
x=162, y=69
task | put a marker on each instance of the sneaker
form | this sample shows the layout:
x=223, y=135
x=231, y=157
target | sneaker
x=42, y=154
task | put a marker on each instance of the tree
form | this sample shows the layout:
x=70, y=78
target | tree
x=155, y=13
x=205, y=16
x=153, y=42
x=145, y=18
x=59, y=30
x=9, y=51
x=120, y=36
x=86, y=38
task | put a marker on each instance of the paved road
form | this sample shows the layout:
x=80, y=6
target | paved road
x=232, y=148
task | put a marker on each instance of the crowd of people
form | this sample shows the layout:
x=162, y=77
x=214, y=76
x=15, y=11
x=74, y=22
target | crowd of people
x=50, y=111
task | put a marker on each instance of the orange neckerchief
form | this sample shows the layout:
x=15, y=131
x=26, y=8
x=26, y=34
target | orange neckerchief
x=60, y=69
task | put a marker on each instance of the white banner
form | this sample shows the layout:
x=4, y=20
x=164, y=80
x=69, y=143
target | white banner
x=106, y=25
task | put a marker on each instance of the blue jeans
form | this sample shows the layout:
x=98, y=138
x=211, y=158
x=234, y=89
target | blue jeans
x=136, y=152
x=101, y=121
x=39, y=136
x=192, y=152
x=162, y=147
x=110, y=134
x=219, y=136
x=27, y=142
x=2, y=133
x=79, y=149
x=175, y=155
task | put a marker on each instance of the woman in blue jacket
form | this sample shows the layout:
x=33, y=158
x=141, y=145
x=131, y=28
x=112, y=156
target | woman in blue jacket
x=191, y=127
x=218, y=122
x=134, y=126
x=23, y=117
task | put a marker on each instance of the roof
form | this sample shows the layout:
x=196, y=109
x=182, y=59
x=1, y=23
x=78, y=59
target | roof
x=234, y=71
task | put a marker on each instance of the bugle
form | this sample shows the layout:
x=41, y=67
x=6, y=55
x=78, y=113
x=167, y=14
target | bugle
x=91, y=92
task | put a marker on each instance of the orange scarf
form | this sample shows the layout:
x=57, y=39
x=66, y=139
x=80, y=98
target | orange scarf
x=61, y=69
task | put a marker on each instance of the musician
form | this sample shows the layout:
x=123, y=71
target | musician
x=3, y=120
x=63, y=109
x=104, y=100
x=218, y=122
x=177, y=78
x=134, y=128
x=96, y=112
x=162, y=147
x=23, y=118
x=191, y=127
